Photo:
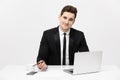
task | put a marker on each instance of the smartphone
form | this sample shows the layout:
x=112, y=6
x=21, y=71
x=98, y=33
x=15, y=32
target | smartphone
x=31, y=73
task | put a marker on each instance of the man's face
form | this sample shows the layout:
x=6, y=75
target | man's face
x=66, y=20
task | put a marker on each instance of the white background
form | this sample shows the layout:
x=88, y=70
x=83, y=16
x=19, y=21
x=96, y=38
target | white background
x=22, y=23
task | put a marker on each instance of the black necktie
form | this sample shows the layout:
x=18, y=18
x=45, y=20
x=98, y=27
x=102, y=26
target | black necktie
x=64, y=49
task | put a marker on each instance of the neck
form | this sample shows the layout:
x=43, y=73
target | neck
x=64, y=30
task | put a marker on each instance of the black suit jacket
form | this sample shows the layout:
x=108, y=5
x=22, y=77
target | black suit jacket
x=49, y=49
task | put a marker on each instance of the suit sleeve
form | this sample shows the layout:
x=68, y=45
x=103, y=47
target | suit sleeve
x=83, y=44
x=43, y=49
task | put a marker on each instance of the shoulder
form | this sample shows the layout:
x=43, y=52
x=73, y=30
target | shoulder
x=76, y=34
x=75, y=31
x=52, y=30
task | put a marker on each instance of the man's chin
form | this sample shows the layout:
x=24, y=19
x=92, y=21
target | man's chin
x=66, y=29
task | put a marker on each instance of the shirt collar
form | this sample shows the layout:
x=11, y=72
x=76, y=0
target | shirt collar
x=61, y=32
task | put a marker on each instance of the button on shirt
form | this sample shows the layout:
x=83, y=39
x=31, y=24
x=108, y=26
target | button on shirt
x=61, y=34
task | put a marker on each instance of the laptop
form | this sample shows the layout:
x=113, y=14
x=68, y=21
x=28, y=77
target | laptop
x=86, y=62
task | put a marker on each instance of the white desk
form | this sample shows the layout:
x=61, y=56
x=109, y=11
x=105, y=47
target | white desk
x=14, y=72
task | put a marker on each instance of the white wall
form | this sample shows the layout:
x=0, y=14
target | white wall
x=22, y=23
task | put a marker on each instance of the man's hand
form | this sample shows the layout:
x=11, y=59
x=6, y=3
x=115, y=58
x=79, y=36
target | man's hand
x=42, y=65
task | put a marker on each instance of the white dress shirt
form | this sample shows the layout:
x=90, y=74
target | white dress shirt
x=61, y=34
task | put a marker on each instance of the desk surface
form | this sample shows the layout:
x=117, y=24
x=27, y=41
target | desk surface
x=15, y=72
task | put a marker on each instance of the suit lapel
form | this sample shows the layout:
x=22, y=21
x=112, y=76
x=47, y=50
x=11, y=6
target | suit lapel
x=71, y=40
x=71, y=46
x=57, y=42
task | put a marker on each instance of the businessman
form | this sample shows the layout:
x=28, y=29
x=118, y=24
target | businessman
x=58, y=45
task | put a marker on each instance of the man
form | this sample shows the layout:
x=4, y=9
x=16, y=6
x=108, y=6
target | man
x=53, y=50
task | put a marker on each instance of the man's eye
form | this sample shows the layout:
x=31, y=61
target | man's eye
x=71, y=19
x=65, y=17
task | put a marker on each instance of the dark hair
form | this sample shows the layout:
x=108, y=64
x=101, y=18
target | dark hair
x=70, y=9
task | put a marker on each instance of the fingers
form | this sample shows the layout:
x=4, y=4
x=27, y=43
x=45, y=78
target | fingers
x=42, y=65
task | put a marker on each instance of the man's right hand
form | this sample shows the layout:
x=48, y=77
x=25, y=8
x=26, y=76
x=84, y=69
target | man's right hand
x=42, y=65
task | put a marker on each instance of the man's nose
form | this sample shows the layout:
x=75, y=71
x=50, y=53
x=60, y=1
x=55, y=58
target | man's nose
x=66, y=21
